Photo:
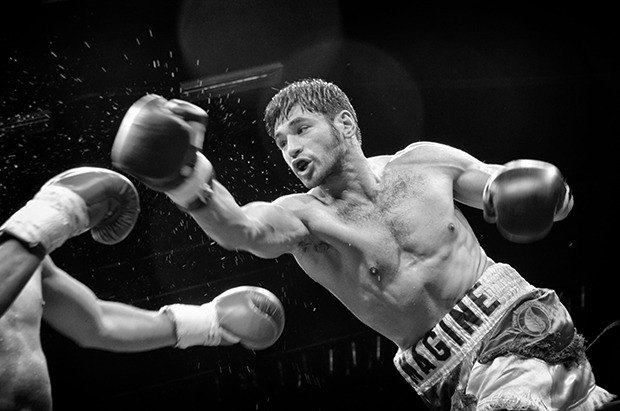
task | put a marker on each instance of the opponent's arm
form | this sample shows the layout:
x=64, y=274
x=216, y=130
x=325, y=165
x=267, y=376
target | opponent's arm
x=251, y=316
x=159, y=142
x=67, y=205
x=73, y=309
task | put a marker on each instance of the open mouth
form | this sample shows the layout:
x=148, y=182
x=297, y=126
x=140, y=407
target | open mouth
x=301, y=165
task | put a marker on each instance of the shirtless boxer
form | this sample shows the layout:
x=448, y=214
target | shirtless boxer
x=384, y=235
x=33, y=288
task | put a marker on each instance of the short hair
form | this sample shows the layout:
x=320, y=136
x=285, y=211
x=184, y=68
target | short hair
x=312, y=95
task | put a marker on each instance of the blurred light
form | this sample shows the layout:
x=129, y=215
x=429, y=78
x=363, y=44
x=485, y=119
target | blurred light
x=236, y=81
x=30, y=123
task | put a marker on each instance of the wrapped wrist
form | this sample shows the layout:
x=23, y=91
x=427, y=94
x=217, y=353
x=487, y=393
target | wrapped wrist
x=195, y=324
x=195, y=192
x=54, y=215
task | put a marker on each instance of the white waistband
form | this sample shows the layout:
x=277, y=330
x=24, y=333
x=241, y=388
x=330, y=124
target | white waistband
x=448, y=343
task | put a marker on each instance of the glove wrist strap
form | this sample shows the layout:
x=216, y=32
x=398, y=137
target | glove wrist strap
x=54, y=215
x=196, y=325
x=196, y=190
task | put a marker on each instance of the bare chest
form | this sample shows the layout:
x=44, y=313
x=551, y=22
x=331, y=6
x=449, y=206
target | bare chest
x=410, y=217
x=383, y=256
x=24, y=379
x=23, y=318
x=405, y=206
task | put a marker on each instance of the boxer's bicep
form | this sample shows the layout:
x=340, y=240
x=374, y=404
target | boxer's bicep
x=469, y=184
x=73, y=310
x=69, y=306
x=467, y=174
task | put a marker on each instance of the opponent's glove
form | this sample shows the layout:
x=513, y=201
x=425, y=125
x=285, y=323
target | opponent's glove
x=525, y=198
x=159, y=143
x=73, y=202
x=251, y=316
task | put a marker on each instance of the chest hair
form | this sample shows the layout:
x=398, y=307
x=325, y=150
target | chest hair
x=391, y=206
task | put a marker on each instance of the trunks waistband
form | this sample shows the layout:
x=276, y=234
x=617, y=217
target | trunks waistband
x=462, y=329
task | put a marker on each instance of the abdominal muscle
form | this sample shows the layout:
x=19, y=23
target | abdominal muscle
x=399, y=289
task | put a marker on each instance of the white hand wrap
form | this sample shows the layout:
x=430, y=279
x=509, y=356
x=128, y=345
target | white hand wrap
x=197, y=325
x=197, y=185
x=54, y=215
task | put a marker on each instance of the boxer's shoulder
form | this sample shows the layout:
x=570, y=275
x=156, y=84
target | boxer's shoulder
x=298, y=201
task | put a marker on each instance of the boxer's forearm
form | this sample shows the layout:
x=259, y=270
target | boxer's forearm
x=261, y=228
x=75, y=311
x=225, y=221
x=17, y=265
x=131, y=329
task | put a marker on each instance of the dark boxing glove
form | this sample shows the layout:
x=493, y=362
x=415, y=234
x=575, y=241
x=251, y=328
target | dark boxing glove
x=159, y=143
x=525, y=198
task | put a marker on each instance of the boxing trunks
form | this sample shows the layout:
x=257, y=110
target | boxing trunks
x=505, y=345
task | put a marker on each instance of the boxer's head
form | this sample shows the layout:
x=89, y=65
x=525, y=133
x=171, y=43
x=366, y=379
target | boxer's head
x=311, y=95
x=315, y=127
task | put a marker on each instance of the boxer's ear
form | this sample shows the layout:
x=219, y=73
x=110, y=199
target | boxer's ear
x=345, y=122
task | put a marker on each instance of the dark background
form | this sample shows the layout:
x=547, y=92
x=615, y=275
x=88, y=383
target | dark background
x=501, y=83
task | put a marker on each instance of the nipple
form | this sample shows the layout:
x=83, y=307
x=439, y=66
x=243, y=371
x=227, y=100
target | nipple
x=375, y=273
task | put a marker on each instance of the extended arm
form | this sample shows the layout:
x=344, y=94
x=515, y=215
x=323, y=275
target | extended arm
x=159, y=142
x=251, y=316
x=75, y=311
x=267, y=230
x=69, y=204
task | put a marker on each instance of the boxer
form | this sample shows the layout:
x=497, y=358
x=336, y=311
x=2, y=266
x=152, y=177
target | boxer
x=34, y=289
x=385, y=236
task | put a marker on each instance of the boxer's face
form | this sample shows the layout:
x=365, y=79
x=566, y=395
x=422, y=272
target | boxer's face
x=310, y=145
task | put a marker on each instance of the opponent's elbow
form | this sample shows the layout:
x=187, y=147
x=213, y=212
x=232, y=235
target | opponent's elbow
x=97, y=332
x=89, y=342
x=90, y=337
